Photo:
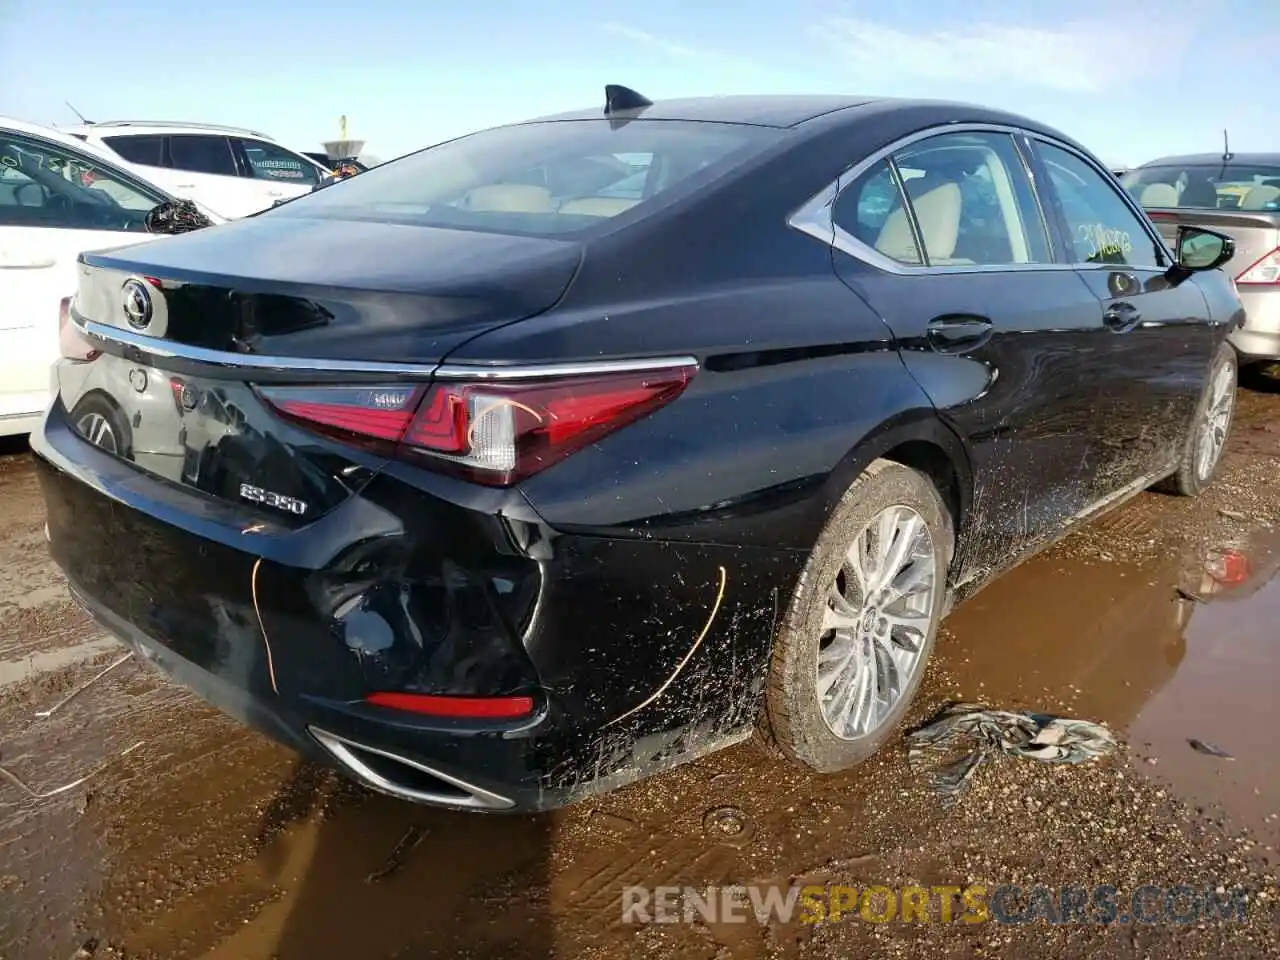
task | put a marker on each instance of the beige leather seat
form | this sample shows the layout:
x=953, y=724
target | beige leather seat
x=597, y=206
x=937, y=206
x=1259, y=197
x=1159, y=195
x=509, y=198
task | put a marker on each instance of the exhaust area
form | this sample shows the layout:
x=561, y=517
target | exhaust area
x=407, y=779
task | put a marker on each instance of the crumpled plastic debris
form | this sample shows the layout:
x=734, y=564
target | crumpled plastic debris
x=984, y=733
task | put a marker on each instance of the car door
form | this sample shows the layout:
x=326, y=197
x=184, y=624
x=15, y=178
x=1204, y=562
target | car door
x=1150, y=369
x=276, y=173
x=204, y=168
x=989, y=321
x=54, y=203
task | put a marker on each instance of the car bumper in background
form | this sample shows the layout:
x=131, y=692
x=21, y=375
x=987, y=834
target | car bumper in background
x=637, y=653
x=16, y=424
x=1259, y=338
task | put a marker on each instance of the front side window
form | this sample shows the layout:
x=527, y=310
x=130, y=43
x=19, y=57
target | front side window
x=972, y=201
x=1206, y=186
x=49, y=185
x=547, y=178
x=199, y=153
x=267, y=161
x=1100, y=226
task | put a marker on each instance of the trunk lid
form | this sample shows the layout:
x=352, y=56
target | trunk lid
x=326, y=289
x=203, y=334
x=1256, y=232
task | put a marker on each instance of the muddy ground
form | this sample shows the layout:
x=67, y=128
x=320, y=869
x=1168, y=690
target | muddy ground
x=207, y=841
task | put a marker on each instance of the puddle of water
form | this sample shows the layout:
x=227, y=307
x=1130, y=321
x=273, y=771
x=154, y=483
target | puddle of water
x=1128, y=646
x=16, y=671
x=1224, y=690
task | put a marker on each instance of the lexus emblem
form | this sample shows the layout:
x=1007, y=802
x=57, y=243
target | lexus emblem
x=137, y=304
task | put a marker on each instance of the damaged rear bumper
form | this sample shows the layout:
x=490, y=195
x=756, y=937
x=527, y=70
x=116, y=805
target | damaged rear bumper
x=638, y=654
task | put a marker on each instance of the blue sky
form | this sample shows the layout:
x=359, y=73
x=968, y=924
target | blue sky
x=1130, y=80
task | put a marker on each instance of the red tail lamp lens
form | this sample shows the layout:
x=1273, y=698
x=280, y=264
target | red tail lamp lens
x=474, y=708
x=493, y=433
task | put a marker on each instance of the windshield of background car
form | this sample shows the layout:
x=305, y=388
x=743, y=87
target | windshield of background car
x=1209, y=186
x=542, y=178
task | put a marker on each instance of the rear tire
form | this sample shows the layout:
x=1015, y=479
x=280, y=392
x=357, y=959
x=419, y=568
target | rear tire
x=874, y=587
x=1207, y=437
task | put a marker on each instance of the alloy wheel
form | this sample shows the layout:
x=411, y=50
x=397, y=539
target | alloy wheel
x=1217, y=417
x=95, y=428
x=877, y=619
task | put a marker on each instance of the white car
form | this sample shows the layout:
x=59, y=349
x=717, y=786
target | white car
x=233, y=171
x=58, y=197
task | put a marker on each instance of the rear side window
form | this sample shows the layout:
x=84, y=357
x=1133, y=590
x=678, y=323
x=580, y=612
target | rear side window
x=1211, y=186
x=547, y=178
x=202, y=154
x=973, y=201
x=146, y=150
x=270, y=162
x=871, y=210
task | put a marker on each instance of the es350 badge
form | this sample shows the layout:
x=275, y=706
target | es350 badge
x=278, y=500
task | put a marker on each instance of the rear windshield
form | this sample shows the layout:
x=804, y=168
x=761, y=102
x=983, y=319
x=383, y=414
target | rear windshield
x=548, y=178
x=1211, y=186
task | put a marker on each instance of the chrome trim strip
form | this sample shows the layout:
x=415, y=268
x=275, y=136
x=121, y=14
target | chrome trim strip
x=813, y=217
x=225, y=359
x=477, y=797
x=479, y=371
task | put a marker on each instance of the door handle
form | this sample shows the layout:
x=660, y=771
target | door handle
x=1121, y=317
x=958, y=333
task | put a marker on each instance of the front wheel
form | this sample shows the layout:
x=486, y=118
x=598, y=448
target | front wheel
x=862, y=622
x=1207, y=438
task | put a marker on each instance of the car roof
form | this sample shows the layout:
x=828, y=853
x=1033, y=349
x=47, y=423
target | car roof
x=151, y=127
x=1215, y=159
x=791, y=111
x=69, y=140
x=767, y=110
x=58, y=134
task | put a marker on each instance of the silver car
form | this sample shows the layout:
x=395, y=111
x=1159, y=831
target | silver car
x=1237, y=194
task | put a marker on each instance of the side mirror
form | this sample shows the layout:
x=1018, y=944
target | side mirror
x=1200, y=249
x=176, y=216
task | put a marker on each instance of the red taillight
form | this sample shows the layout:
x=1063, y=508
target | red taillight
x=1264, y=272
x=371, y=416
x=493, y=433
x=71, y=343
x=473, y=708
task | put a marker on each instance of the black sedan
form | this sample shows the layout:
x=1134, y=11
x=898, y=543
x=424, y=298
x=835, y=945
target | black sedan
x=549, y=457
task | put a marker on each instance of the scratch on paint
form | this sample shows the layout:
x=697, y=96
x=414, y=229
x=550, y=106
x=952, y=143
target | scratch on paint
x=715, y=609
x=262, y=627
